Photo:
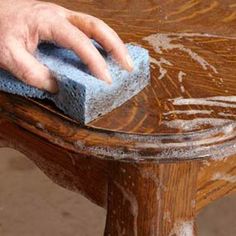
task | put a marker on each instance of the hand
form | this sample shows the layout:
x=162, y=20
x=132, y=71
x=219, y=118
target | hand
x=24, y=23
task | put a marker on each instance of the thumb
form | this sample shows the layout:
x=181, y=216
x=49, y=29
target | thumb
x=28, y=69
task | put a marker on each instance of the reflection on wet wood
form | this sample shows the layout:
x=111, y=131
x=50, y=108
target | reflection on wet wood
x=168, y=152
x=194, y=40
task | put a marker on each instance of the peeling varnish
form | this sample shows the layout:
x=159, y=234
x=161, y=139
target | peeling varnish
x=183, y=228
x=224, y=177
x=130, y=197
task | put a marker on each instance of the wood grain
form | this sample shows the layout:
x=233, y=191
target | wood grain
x=216, y=179
x=155, y=199
x=78, y=173
x=192, y=46
x=142, y=198
x=159, y=159
x=213, y=41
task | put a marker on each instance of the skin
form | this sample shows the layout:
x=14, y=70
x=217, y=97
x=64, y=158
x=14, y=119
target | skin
x=25, y=23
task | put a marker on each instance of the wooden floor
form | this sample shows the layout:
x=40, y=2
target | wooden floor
x=27, y=196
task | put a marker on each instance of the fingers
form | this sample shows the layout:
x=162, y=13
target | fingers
x=106, y=36
x=69, y=36
x=26, y=68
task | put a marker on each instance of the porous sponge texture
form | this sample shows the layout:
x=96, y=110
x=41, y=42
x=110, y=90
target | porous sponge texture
x=81, y=96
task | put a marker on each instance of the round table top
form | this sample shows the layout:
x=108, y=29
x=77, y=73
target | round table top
x=191, y=101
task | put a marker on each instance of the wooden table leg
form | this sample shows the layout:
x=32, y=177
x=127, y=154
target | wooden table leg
x=152, y=199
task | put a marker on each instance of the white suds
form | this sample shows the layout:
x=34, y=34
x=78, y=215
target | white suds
x=166, y=216
x=183, y=228
x=224, y=98
x=190, y=125
x=188, y=112
x=159, y=63
x=181, y=78
x=226, y=114
x=225, y=177
x=228, y=129
x=164, y=42
x=220, y=101
x=120, y=230
x=130, y=197
x=182, y=89
x=40, y=126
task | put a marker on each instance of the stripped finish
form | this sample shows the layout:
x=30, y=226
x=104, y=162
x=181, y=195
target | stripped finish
x=173, y=144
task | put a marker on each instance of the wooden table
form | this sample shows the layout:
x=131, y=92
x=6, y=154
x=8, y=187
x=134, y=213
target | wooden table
x=155, y=162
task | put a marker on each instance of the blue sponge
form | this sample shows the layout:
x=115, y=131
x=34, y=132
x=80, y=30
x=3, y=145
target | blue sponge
x=81, y=95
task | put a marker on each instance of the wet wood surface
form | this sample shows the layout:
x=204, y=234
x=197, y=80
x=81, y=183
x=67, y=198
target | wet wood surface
x=141, y=198
x=192, y=46
x=168, y=152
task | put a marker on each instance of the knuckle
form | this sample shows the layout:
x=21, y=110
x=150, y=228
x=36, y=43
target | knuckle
x=96, y=23
x=47, y=11
x=28, y=76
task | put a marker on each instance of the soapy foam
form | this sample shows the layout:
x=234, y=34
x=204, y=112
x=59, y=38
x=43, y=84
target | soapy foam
x=220, y=101
x=159, y=63
x=164, y=42
x=130, y=197
x=188, y=112
x=225, y=177
x=190, y=125
x=183, y=228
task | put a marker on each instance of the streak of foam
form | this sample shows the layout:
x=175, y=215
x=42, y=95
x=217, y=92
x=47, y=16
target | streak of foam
x=130, y=197
x=164, y=42
x=181, y=76
x=159, y=63
x=226, y=114
x=224, y=177
x=189, y=112
x=190, y=125
x=183, y=228
x=220, y=101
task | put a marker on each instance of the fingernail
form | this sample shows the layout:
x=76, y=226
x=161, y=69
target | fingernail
x=129, y=62
x=107, y=77
x=51, y=85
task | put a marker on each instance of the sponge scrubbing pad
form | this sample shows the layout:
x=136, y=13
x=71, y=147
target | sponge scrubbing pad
x=81, y=95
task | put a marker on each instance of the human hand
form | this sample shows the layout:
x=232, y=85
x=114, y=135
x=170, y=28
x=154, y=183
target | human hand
x=24, y=23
